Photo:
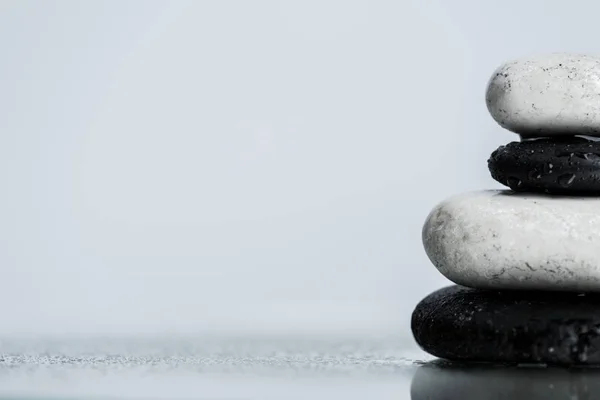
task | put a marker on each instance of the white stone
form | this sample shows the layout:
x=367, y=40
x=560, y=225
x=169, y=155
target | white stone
x=507, y=240
x=556, y=94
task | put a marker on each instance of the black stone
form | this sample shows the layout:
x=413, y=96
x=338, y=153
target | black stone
x=568, y=165
x=461, y=324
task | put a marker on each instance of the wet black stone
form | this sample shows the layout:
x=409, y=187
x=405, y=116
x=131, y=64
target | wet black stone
x=568, y=165
x=471, y=325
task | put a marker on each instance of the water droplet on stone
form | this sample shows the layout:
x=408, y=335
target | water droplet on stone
x=514, y=183
x=533, y=174
x=592, y=157
x=566, y=180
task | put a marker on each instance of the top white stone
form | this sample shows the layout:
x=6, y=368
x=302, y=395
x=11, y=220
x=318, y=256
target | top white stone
x=551, y=95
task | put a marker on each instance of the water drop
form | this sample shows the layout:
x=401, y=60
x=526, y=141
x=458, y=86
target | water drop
x=592, y=157
x=514, y=183
x=566, y=180
x=533, y=174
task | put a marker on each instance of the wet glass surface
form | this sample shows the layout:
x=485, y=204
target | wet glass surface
x=265, y=368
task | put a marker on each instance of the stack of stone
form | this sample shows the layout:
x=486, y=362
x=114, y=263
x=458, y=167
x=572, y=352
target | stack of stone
x=526, y=260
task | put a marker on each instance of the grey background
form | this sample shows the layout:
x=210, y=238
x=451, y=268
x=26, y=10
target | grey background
x=244, y=166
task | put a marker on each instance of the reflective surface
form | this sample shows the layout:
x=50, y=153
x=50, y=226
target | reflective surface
x=208, y=368
x=267, y=368
x=441, y=380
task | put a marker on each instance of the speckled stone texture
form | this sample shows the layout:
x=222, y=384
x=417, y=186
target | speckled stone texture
x=549, y=95
x=506, y=240
x=570, y=165
x=462, y=324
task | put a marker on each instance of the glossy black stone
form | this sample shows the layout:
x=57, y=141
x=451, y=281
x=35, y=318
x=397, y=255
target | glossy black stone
x=568, y=165
x=461, y=324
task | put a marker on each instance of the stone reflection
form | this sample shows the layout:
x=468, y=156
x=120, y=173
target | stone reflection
x=446, y=381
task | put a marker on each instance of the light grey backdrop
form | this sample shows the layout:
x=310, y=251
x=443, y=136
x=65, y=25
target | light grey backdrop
x=244, y=166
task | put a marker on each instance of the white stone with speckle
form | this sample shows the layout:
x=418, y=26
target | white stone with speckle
x=507, y=240
x=556, y=94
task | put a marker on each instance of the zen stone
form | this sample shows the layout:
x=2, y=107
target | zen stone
x=548, y=95
x=568, y=166
x=462, y=324
x=508, y=240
